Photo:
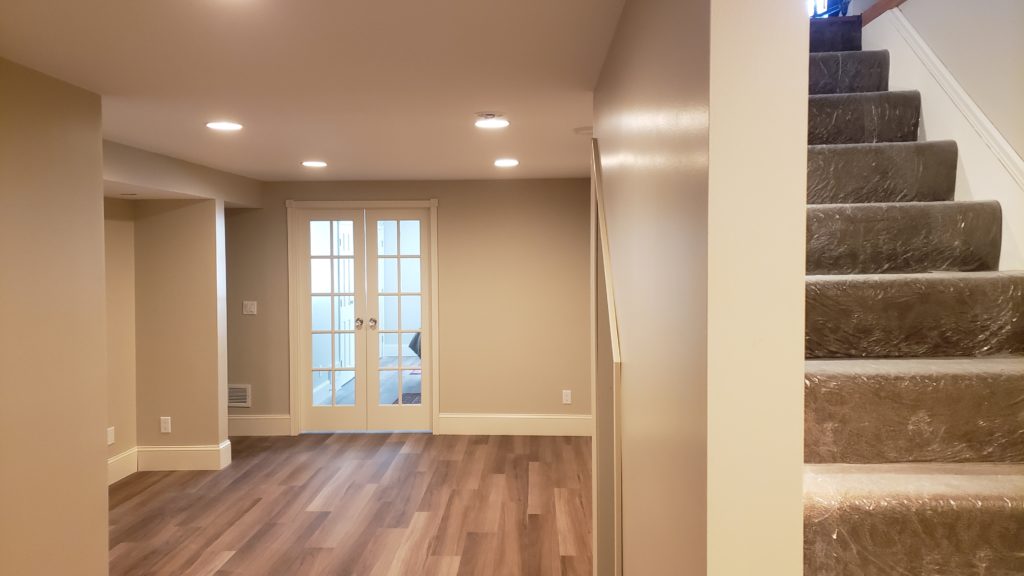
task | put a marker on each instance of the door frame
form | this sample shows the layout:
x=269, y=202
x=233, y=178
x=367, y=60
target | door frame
x=297, y=262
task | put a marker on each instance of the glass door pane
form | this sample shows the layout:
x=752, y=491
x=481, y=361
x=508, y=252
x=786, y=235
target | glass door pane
x=397, y=291
x=335, y=399
x=363, y=287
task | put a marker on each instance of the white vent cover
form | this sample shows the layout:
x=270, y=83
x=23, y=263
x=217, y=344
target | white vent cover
x=240, y=395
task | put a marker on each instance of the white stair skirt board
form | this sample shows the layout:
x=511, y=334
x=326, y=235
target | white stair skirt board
x=989, y=167
x=515, y=424
x=259, y=425
x=122, y=465
x=211, y=457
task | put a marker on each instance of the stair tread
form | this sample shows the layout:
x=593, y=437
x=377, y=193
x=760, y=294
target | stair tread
x=924, y=519
x=832, y=34
x=881, y=172
x=876, y=145
x=933, y=314
x=924, y=276
x=914, y=410
x=903, y=237
x=864, y=117
x=845, y=72
x=880, y=94
x=926, y=480
x=938, y=204
x=849, y=52
x=917, y=366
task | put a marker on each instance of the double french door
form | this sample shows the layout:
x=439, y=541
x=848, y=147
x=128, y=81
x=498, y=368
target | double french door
x=361, y=301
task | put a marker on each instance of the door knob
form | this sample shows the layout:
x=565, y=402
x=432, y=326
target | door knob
x=359, y=323
x=373, y=323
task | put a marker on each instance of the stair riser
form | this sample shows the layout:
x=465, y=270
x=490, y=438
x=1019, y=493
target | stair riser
x=918, y=172
x=859, y=417
x=848, y=72
x=903, y=238
x=836, y=34
x=933, y=538
x=914, y=315
x=863, y=118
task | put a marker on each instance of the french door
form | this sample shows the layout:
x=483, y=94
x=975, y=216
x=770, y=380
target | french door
x=360, y=282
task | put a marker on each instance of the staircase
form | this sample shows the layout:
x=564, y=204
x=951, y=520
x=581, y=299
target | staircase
x=914, y=387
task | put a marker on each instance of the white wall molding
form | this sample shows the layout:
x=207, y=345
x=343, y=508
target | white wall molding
x=259, y=425
x=515, y=424
x=208, y=457
x=1006, y=154
x=122, y=465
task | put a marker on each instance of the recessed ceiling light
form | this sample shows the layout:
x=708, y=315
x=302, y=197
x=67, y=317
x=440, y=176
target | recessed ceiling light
x=490, y=120
x=224, y=126
x=314, y=164
x=506, y=162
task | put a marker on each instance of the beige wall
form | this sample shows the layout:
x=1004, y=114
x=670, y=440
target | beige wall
x=52, y=340
x=703, y=150
x=119, y=236
x=513, y=272
x=178, y=347
x=155, y=175
x=755, y=334
x=982, y=44
x=651, y=119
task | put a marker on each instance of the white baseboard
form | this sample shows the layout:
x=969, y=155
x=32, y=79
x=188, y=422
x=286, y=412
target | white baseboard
x=516, y=424
x=259, y=425
x=122, y=465
x=212, y=457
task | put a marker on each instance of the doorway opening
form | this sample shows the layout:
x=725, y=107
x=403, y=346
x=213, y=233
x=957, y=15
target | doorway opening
x=361, y=285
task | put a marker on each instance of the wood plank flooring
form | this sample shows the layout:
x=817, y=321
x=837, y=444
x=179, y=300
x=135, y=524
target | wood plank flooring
x=363, y=504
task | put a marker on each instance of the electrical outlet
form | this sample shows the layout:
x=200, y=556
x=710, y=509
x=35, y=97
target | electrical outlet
x=249, y=307
x=165, y=424
x=110, y=436
x=566, y=396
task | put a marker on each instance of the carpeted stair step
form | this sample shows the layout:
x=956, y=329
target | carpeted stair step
x=887, y=172
x=849, y=72
x=914, y=410
x=915, y=315
x=903, y=238
x=914, y=519
x=836, y=34
x=863, y=118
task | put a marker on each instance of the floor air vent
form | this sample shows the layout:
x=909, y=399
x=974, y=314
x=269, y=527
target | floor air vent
x=239, y=395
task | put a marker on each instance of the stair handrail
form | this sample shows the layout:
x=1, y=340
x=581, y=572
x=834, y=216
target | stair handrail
x=840, y=8
x=602, y=225
x=877, y=9
x=601, y=249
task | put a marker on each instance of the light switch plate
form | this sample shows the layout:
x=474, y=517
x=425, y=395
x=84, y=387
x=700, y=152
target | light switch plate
x=249, y=307
x=566, y=396
x=110, y=436
x=165, y=424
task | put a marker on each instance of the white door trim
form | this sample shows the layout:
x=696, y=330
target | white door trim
x=358, y=205
x=297, y=261
x=435, y=320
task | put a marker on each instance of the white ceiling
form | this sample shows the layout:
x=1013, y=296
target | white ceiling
x=380, y=89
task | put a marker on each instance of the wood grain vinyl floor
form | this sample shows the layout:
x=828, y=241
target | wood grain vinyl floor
x=363, y=504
